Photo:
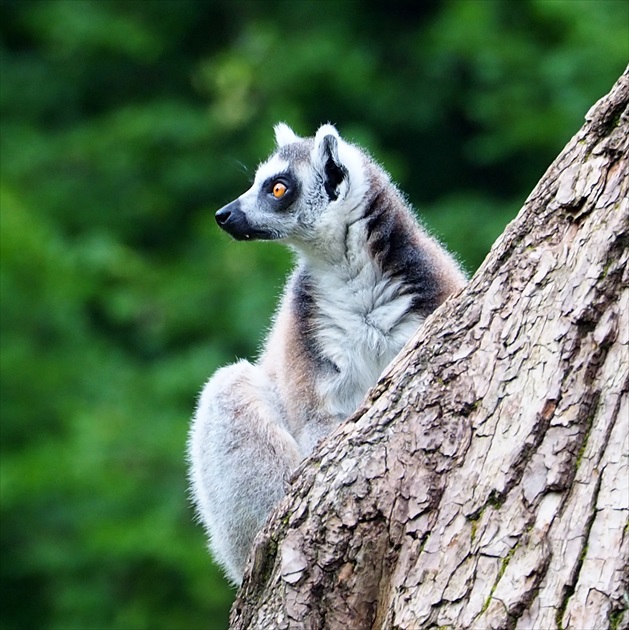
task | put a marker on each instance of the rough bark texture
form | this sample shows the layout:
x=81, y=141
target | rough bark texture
x=485, y=481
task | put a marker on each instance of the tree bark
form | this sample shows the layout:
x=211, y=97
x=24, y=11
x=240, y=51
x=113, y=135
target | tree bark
x=484, y=483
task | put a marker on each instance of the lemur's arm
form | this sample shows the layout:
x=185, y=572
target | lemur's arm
x=241, y=459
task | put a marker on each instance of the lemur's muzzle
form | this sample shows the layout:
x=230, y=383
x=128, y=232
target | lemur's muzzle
x=234, y=221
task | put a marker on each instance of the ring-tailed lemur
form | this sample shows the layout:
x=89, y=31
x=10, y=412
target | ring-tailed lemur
x=367, y=276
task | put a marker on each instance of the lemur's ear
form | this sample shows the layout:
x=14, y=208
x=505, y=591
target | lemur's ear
x=284, y=135
x=327, y=161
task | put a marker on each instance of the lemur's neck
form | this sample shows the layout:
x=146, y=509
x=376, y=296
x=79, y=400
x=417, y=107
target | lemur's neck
x=341, y=246
x=380, y=246
x=357, y=311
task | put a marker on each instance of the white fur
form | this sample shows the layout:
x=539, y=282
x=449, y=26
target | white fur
x=353, y=161
x=271, y=167
x=232, y=498
x=363, y=324
x=318, y=155
x=284, y=135
x=327, y=129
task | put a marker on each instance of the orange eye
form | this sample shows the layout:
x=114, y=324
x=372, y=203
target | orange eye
x=279, y=190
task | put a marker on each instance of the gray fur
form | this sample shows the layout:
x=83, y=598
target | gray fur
x=367, y=276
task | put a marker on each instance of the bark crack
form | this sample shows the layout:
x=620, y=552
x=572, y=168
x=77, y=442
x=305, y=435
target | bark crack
x=501, y=571
x=570, y=587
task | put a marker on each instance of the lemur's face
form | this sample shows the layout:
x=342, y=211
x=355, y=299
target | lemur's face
x=300, y=193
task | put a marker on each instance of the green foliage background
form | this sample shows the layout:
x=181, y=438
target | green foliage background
x=125, y=125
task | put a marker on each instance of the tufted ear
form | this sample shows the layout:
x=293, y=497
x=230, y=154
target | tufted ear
x=284, y=135
x=327, y=161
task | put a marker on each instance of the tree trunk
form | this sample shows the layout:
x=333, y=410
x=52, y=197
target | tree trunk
x=484, y=483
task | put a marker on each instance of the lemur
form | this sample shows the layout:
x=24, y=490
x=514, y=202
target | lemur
x=367, y=275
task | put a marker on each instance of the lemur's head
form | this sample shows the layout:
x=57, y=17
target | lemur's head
x=305, y=193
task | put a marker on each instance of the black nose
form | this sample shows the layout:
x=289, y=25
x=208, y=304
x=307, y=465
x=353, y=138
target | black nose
x=222, y=216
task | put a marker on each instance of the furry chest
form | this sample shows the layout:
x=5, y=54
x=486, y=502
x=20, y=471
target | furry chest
x=359, y=336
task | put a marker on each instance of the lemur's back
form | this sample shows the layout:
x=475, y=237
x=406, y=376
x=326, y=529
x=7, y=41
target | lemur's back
x=367, y=276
